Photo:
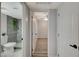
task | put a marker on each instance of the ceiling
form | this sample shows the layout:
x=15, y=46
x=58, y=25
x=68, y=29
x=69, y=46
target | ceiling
x=40, y=15
x=40, y=8
x=13, y=9
x=43, y=6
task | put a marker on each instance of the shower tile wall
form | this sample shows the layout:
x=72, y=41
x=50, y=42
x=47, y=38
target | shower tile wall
x=12, y=33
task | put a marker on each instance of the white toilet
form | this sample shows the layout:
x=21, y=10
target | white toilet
x=8, y=47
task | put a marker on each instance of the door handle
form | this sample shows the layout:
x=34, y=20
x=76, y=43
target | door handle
x=74, y=46
x=35, y=33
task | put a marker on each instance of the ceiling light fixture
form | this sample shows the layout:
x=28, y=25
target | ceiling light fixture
x=46, y=19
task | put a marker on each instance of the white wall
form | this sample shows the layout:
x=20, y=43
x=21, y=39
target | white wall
x=68, y=19
x=0, y=30
x=4, y=29
x=42, y=28
x=25, y=31
x=52, y=40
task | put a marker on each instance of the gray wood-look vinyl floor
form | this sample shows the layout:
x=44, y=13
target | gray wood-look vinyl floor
x=41, y=48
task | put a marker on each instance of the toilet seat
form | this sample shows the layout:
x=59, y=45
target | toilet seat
x=9, y=47
x=10, y=44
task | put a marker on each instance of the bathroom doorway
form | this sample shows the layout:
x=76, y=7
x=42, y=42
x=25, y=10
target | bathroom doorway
x=14, y=32
x=40, y=34
x=11, y=29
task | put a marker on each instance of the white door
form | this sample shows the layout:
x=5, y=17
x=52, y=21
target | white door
x=34, y=33
x=67, y=30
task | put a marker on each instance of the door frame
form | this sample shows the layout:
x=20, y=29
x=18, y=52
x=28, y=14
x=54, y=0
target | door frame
x=31, y=32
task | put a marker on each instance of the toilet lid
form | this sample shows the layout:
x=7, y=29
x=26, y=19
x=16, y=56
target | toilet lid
x=10, y=44
x=4, y=39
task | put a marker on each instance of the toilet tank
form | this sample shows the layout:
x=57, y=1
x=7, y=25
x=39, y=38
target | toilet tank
x=4, y=39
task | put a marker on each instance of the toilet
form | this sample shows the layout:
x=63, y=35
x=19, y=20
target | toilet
x=8, y=47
